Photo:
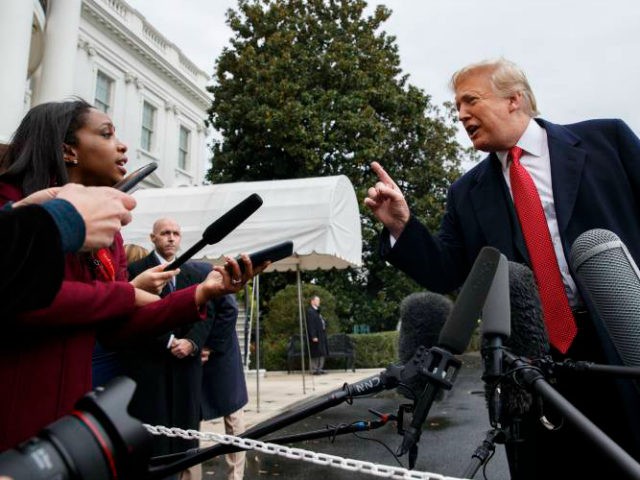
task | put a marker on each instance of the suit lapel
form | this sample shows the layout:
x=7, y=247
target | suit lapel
x=567, y=163
x=494, y=209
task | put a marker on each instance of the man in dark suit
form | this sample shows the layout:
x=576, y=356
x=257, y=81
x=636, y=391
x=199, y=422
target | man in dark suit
x=584, y=175
x=167, y=368
x=317, y=335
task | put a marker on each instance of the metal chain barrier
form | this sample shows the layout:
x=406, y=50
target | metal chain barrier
x=300, y=454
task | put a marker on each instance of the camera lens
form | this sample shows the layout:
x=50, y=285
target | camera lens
x=65, y=450
x=97, y=441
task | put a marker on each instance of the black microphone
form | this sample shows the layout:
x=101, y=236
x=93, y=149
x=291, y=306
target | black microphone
x=608, y=275
x=496, y=328
x=422, y=316
x=220, y=228
x=453, y=340
x=496, y=320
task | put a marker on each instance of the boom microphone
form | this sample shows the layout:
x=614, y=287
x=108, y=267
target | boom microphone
x=606, y=271
x=220, y=228
x=422, y=316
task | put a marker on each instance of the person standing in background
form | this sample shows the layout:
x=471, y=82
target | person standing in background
x=134, y=252
x=316, y=332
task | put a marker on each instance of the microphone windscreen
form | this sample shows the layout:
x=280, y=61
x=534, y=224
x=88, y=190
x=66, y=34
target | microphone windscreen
x=528, y=333
x=609, y=276
x=422, y=316
x=224, y=225
x=459, y=327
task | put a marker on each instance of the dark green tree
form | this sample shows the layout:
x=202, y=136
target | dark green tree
x=313, y=88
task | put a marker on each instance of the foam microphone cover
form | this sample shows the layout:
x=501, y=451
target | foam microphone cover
x=422, y=316
x=528, y=334
x=231, y=219
x=608, y=275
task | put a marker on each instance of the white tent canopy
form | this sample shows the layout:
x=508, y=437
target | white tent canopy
x=320, y=215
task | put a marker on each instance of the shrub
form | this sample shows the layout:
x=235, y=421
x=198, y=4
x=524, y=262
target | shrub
x=375, y=349
x=283, y=319
x=274, y=354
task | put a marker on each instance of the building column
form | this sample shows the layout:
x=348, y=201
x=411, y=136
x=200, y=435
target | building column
x=61, y=45
x=16, y=20
x=200, y=151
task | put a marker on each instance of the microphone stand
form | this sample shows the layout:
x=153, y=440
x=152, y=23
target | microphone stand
x=531, y=377
x=483, y=453
x=595, y=368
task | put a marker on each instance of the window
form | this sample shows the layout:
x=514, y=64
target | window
x=148, y=121
x=104, y=86
x=183, y=149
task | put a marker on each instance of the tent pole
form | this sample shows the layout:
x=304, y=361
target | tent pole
x=247, y=326
x=302, y=349
x=257, y=291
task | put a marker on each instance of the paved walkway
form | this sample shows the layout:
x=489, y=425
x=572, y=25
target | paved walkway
x=280, y=391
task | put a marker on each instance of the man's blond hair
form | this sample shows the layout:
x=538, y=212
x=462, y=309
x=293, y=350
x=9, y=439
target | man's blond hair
x=506, y=78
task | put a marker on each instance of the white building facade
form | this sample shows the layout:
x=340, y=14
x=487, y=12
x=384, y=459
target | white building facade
x=105, y=52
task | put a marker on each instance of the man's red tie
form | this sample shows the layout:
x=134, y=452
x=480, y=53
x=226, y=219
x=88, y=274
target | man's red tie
x=558, y=317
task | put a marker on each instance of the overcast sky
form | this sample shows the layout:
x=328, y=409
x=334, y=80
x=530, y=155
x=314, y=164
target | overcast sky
x=582, y=57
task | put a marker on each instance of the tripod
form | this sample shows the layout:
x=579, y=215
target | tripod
x=531, y=377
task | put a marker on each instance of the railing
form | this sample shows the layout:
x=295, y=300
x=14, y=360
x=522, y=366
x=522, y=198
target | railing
x=118, y=7
x=154, y=37
x=189, y=66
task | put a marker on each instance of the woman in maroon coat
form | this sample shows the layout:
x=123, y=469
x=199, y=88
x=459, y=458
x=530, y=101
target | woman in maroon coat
x=45, y=356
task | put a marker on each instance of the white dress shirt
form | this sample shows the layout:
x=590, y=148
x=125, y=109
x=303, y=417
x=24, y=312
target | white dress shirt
x=536, y=160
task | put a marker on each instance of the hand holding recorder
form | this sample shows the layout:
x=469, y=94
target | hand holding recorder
x=231, y=277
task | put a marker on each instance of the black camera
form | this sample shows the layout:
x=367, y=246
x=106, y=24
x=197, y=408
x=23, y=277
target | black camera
x=97, y=441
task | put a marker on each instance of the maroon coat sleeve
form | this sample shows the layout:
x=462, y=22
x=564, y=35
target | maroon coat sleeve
x=84, y=303
x=111, y=305
x=178, y=308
